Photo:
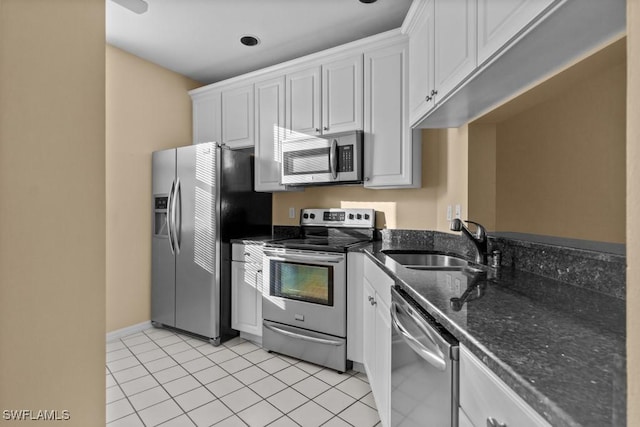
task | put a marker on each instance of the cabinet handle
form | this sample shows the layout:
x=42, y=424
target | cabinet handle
x=247, y=254
x=374, y=302
x=317, y=130
x=428, y=98
x=370, y=298
x=366, y=178
x=326, y=128
x=492, y=422
x=434, y=92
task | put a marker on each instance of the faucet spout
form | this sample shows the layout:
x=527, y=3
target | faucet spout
x=479, y=238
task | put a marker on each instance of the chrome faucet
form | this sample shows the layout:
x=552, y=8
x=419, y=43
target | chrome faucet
x=479, y=238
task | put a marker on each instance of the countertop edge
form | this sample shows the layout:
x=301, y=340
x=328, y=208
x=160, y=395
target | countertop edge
x=546, y=408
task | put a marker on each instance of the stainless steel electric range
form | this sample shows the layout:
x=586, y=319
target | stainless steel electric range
x=304, y=302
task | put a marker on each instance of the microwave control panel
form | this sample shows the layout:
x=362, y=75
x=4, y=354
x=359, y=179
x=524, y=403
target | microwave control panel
x=345, y=158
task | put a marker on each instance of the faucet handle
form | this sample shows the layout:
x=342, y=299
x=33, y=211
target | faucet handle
x=481, y=232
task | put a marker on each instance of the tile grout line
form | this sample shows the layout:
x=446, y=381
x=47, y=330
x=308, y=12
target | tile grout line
x=291, y=362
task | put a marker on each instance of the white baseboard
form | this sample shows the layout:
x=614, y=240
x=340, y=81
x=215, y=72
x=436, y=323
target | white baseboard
x=129, y=330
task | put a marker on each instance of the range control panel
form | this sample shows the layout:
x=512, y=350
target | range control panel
x=359, y=218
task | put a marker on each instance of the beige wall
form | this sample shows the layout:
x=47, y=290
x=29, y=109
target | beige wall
x=148, y=109
x=560, y=164
x=633, y=213
x=52, y=220
x=482, y=174
x=444, y=180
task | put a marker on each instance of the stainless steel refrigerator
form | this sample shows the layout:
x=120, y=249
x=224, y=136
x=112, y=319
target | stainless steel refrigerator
x=202, y=198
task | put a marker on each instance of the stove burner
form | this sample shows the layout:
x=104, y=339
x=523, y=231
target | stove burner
x=331, y=230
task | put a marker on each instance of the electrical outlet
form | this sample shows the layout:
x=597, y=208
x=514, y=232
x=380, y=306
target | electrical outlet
x=458, y=211
x=292, y=213
x=449, y=213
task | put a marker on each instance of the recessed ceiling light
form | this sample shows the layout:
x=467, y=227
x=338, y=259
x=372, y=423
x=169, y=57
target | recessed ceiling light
x=249, y=40
x=368, y=1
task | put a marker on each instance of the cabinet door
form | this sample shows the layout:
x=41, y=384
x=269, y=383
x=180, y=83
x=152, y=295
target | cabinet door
x=355, y=305
x=383, y=361
x=269, y=127
x=246, y=297
x=390, y=160
x=455, y=43
x=207, y=120
x=303, y=103
x=342, y=95
x=500, y=21
x=484, y=395
x=421, y=68
x=369, y=329
x=237, y=117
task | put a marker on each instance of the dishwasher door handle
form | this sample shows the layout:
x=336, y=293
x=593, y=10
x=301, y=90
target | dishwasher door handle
x=432, y=356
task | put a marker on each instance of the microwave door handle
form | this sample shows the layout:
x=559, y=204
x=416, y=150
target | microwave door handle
x=333, y=159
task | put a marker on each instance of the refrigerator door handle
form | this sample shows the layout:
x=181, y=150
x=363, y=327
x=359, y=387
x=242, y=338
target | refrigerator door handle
x=169, y=218
x=178, y=224
x=174, y=207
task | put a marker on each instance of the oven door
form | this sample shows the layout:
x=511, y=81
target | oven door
x=305, y=289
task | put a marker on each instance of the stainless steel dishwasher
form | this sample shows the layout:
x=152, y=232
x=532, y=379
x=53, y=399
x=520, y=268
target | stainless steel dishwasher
x=424, y=368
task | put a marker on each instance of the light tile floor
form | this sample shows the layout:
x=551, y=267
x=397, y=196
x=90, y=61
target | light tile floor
x=159, y=377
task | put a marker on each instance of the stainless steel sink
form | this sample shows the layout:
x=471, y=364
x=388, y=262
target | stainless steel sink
x=429, y=261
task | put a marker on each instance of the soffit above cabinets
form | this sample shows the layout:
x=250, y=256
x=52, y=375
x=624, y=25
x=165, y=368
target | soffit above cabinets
x=611, y=55
x=201, y=38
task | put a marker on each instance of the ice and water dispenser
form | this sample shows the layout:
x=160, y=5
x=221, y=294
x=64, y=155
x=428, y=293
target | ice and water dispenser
x=160, y=216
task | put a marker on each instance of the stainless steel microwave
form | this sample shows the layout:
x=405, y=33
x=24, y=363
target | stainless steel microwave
x=323, y=160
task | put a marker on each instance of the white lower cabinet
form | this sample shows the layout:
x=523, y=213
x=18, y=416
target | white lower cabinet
x=355, y=322
x=246, y=289
x=485, y=400
x=376, y=336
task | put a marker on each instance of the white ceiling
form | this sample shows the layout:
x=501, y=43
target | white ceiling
x=201, y=38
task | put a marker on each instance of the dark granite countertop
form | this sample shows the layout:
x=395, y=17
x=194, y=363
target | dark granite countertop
x=560, y=347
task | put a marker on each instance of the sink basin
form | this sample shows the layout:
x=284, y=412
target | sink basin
x=425, y=259
x=429, y=261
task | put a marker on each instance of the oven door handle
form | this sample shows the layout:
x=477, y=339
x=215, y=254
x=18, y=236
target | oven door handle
x=433, y=356
x=307, y=258
x=300, y=336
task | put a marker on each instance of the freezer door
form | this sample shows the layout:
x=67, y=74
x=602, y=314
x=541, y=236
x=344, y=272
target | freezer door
x=197, y=290
x=163, y=267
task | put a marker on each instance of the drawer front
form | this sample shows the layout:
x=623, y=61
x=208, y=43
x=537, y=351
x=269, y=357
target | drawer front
x=484, y=396
x=380, y=281
x=246, y=253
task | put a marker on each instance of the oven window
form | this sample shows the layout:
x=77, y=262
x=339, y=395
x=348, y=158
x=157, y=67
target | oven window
x=302, y=282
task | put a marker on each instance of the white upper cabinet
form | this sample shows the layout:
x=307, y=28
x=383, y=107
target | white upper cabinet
x=324, y=99
x=237, y=116
x=443, y=50
x=500, y=21
x=303, y=104
x=269, y=128
x=455, y=44
x=421, y=55
x=342, y=95
x=392, y=156
x=207, y=121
